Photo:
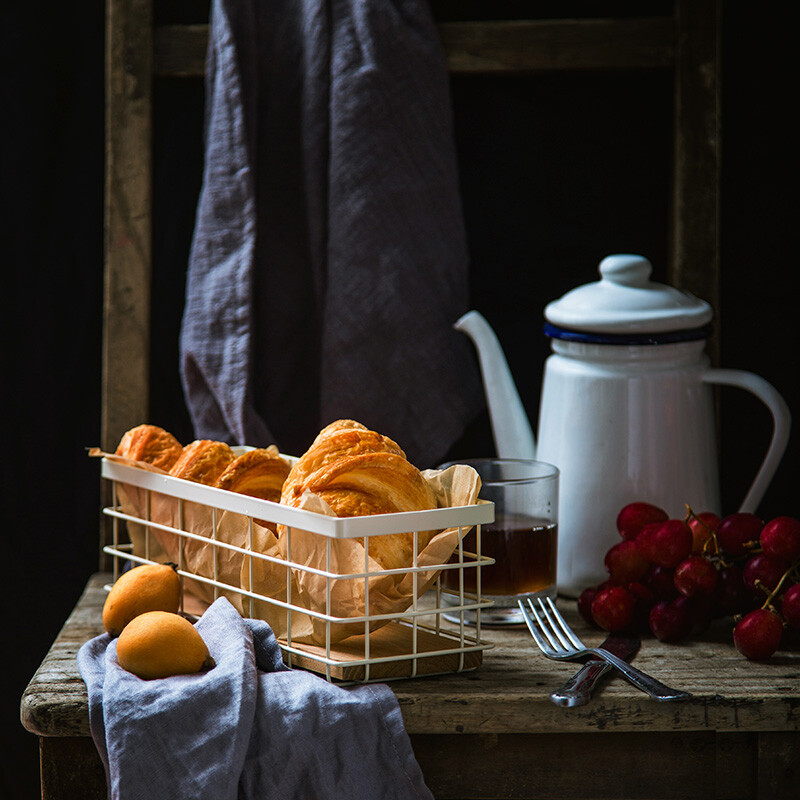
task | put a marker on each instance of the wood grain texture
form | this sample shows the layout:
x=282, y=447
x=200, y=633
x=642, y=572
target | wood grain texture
x=509, y=692
x=71, y=769
x=695, y=249
x=515, y=46
x=125, y=377
x=614, y=765
x=489, y=46
x=128, y=212
x=493, y=733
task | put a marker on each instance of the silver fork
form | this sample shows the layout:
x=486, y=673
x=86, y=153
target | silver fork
x=558, y=641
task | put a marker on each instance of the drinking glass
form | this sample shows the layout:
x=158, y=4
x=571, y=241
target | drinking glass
x=523, y=541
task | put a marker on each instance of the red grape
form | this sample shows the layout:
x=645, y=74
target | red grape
x=738, y=530
x=702, y=526
x=695, y=575
x=624, y=563
x=661, y=581
x=790, y=606
x=758, y=634
x=644, y=598
x=612, y=608
x=766, y=570
x=642, y=593
x=634, y=516
x=672, y=577
x=780, y=538
x=731, y=595
x=666, y=544
x=671, y=620
x=702, y=612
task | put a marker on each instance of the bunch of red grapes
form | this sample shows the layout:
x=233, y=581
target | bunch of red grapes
x=673, y=577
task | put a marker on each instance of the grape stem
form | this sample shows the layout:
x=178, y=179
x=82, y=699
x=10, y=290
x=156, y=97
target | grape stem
x=771, y=596
x=713, y=536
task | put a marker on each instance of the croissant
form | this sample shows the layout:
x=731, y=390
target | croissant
x=150, y=444
x=258, y=473
x=202, y=461
x=359, y=472
x=345, y=437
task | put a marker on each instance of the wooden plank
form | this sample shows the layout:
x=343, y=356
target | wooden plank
x=180, y=50
x=71, y=769
x=778, y=759
x=509, y=692
x=546, y=45
x=462, y=766
x=128, y=227
x=541, y=766
x=510, y=46
x=393, y=641
x=734, y=764
x=55, y=702
x=695, y=261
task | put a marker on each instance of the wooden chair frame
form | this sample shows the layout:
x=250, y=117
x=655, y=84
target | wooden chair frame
x=138, y=53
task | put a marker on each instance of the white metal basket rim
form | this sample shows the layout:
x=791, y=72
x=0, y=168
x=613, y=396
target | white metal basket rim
x=335, y=527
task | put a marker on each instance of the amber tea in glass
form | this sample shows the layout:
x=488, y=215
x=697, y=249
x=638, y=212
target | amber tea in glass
x=523, y=541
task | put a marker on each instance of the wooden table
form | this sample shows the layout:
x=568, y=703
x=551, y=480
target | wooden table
x=494, y=733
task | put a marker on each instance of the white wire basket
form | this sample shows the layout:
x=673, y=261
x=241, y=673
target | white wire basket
x=373, y=640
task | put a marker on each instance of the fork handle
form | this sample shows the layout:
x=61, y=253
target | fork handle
x=578, y=689
x=642, y=680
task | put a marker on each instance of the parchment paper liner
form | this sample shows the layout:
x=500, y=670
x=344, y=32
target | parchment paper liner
x=388, y=594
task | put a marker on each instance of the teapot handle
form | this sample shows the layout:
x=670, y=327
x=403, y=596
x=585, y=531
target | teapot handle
x=782, y=422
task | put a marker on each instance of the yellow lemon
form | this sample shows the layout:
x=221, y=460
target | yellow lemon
x=149, y=587
x=158, y=644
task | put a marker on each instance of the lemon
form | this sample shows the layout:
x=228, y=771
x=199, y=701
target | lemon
x=158, y=644
x=149, y=587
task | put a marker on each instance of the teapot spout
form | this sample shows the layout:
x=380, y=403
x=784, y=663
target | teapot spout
x=513, y=435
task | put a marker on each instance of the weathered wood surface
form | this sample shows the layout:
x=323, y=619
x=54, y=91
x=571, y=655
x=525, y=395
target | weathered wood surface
x=493, y=733
x=695, y=245
x=125, y=383
x=128, y=216
x=71, y=769
x=509, y=693
x=489, y=46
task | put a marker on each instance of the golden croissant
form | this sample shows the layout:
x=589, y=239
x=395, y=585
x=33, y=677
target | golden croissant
x=150, y=444
x=359, y=472
x=258, y=473
x=203, y=461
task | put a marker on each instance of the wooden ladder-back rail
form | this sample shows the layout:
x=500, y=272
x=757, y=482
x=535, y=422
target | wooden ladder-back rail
x=138, y=52
x=128, y=217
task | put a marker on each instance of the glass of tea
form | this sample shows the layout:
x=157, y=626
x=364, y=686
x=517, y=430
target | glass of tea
x=522, y=540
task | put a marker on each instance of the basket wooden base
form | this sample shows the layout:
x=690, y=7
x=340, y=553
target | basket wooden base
x=392, y=641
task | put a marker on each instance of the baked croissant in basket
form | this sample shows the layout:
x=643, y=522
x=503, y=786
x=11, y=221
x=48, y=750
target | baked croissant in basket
x=359, y=472
x=150, y=444
x=203, y=461
x=258, y=473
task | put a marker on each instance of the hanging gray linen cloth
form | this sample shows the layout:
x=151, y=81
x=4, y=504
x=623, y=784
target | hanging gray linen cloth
x=329, y=258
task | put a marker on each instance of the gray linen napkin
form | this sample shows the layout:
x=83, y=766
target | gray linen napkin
x=248, y=728
x=329, y=258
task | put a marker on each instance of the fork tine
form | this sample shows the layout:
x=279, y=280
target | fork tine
x=537, y=637
x=555, y=627
x=549, y=629
x=574, y=640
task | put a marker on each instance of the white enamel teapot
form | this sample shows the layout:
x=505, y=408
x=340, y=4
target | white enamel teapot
x=626, y=410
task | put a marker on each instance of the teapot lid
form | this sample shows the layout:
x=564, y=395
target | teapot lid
x=625, y=301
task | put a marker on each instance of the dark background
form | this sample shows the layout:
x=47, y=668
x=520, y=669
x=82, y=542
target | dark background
x=557, y=172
